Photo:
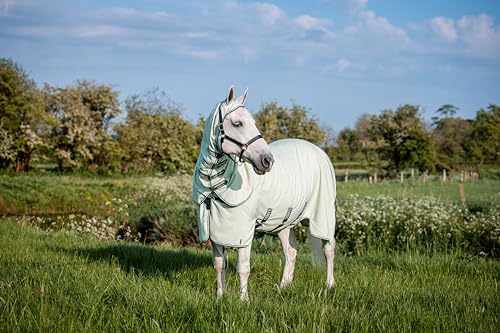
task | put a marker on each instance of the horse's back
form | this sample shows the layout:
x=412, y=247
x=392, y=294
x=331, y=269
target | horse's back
x=302, y=183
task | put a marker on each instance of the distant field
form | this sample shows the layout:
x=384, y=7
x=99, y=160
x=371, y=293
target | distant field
x=52, y=194
x=59, y=282
x=482, y=190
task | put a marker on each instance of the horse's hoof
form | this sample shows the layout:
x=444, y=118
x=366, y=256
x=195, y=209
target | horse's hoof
x=285, y=284
x=245, y=298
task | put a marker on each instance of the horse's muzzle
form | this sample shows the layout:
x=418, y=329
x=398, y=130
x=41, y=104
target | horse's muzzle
x=267, y=161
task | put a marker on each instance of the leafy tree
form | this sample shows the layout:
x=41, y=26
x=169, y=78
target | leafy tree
x=450, y=136
x=102, y=102
x=277, y=122
x=401, y=139
x=348, y=144
x=445, y=111
x=22, y=117
x=80, y=137
x=155, y=136
x=363, y=128
x=484, y=145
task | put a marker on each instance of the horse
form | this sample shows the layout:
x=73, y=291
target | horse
x=242, y=185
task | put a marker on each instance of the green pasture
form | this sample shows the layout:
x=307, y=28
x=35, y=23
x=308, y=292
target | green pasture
x=53, y=194
x=58, y=282
x=474, y=191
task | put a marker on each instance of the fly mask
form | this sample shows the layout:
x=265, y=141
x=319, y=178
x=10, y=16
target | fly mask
x=223, y=136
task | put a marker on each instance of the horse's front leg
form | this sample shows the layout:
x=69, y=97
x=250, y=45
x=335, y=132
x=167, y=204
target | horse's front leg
x=220, y=274
x=329, y=252
x=244, y=270
x=289, y=245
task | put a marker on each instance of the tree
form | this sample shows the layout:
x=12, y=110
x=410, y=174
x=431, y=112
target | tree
x=23, y=119
x=363, y=128
x=348, y=144
x=445, y=111
x=451, y=136
x=102, y=103
x=154, y=135
x=401, y=139
x=80, y=137
x=484, y=145
x=277, y=122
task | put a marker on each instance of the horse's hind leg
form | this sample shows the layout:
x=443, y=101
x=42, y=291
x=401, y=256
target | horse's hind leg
x=329, y=252
x=244, y=270
x=289, y=245
x=220, y=274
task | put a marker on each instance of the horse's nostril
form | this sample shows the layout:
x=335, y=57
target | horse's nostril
x=267, y=161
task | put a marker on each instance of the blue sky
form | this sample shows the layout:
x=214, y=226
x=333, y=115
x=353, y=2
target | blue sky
x=340, y=58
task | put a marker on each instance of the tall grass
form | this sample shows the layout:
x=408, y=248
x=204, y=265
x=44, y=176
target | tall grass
x=57, y=282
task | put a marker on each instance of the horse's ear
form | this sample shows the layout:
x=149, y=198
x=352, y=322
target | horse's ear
x=230, y=95
x=242, y=98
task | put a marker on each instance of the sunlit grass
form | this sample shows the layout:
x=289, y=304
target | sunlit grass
x=58, y=282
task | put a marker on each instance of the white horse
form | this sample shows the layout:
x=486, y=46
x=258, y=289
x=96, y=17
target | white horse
x=241, y=185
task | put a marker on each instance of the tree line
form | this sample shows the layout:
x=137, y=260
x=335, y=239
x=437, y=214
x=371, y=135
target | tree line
x=84, y=127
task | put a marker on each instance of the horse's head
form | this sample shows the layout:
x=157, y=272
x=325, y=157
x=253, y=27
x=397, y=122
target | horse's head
x=239, y=136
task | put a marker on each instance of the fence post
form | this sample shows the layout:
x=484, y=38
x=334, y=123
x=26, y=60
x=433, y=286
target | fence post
x=462, y=192
x=412, y=173
x=375, y=177
x=402, y=177
x=346, y=176
x=444, y=175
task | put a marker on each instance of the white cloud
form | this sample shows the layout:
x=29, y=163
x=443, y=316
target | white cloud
x=444, y=28
x=87, y=31
x=343, y=65
x=307, y=22
x=471, y=35
x=268, y=13
x=98, y=31
x=480, y=35
x=371, y=23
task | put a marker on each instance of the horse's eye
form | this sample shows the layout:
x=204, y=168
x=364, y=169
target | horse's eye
x=237, y=124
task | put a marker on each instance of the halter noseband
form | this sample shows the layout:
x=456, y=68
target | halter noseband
x=223, y=135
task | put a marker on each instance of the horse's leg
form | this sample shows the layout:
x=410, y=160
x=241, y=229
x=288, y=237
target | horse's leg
x=244, y=270
x=289, y=245
x=329, y=251
x=220, y=274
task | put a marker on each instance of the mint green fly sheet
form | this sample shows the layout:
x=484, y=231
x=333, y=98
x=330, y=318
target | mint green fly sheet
x=234, y=201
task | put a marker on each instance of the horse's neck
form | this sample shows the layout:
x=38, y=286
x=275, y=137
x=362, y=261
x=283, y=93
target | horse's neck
x=231, y=182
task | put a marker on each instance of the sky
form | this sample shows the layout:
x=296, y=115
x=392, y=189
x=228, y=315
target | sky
x=339, y=58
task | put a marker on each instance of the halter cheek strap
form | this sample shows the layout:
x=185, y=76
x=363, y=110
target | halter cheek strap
x=223, y=135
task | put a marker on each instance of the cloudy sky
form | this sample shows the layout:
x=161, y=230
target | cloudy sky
x=340, y=58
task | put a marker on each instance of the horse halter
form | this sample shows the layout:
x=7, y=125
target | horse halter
x=223, y=135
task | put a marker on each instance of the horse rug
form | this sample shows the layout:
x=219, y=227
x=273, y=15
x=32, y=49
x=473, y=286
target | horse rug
x=234, y=201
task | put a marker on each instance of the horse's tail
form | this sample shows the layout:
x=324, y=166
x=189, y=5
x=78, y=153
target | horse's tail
x=318, y=257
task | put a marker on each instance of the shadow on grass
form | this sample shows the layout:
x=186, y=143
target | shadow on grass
x=146, y=259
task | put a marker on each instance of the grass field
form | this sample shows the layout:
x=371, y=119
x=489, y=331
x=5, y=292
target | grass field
x=474, y=191
x=59, y=282
x=52, y=194
x=59, y=277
